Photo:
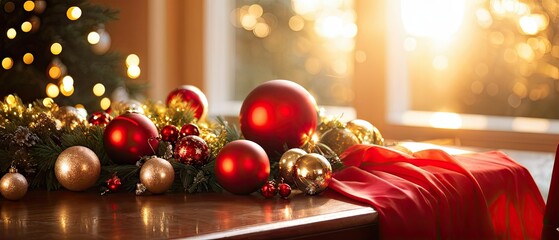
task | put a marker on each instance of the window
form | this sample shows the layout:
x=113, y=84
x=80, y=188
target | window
x=311, y=43
x=484, y=65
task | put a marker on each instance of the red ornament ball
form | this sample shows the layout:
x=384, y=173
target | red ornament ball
x=189, y=129
x=129, y=137
x=169, y=133
x=113, y=183
x=99, y=118
x=192, y=150
x=268, y=190
x=278, y=113
x=284, y=190
x=242, y=167
x=192, y=95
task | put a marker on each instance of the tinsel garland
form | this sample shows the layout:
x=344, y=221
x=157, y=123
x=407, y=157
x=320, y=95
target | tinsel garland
x=34, y=135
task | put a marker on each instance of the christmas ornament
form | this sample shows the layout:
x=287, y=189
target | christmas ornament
x=242, y=167
x=278, y=113
x=284, y=190
x=104, y=43
x=13, y=185
x=129, y=137
x=128, y=106
x=189, y=129
x=113, y=183
x=77, y=168
x=287, y=161
x=69, y=116
x=268, y=190
x=365, y=132
x=99, y=118
x=192, y=150
x=339, y=139
x=193, y=96
x=157, y=175
x=312, y=173
x=169, y=133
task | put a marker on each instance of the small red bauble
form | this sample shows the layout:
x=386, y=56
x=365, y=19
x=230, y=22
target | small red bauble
x=113, y=183
x=192, y=95
x=242, y=167
x=99, y=118
x=129, y=137
x=268, y=190
x=284, y=190
x=189, y=129
x=278, y=113
x=169, y=133
x=192, y=150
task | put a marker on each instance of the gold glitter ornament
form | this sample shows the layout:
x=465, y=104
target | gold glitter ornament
x=157, y=175
x=13, y=185
x=339, y=139
x=312, y=173
x=286, y=163
x=365, y=132
x=77, y=168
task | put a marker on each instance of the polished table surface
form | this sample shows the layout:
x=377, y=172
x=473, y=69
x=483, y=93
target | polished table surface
x=74, y=215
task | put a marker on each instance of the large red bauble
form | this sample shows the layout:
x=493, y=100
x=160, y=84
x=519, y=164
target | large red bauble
x=129, y=137
x=278, y=114
x=242, y=167
x=192, y=95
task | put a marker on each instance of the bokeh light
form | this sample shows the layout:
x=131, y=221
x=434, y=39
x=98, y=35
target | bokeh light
x=74, y=13
x=99, y=89
x=7, y=63
x=56, y=48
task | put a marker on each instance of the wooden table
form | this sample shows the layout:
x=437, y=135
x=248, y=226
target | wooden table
x=87, y=215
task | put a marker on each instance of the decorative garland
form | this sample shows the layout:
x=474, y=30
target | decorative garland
x=33, y=137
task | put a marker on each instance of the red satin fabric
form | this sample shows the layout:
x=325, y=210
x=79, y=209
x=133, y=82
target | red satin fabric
x=433, y=195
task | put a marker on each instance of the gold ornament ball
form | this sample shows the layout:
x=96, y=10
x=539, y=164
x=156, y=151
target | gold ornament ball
x=286, y=163
x=365, y=132
x=77, y=168
x=339, y=139
x=157, y=175
x=312, y=173
x=13, y=185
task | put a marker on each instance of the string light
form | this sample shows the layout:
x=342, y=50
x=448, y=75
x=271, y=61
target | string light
x=47, y=102
x=29, y=6
x=52, y=90
x=74, y=13
x=28, y=58
x=56, y=48
x=105, y=103
x=26, y=26
x=132, y=59
x=93, y=37
x=11, y=33
x=99, y=89
x=7, y=63
x=133, y=71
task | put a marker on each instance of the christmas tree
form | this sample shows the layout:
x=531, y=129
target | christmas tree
x=60, y=50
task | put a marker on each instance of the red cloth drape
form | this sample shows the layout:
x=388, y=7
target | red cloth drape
x=433, y=195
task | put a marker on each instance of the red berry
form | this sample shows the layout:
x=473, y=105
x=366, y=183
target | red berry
x=268, y=190
x=284, y=190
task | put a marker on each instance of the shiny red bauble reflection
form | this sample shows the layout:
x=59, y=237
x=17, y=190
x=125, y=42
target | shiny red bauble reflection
x=278, y=114
x=192, y=95
x=169, y=133
x=242, y=167
x=129, y=137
